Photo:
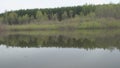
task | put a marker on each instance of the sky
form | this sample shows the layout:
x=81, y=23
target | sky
x=8, y=5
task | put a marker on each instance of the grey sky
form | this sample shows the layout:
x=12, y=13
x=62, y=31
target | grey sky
x=30, y=4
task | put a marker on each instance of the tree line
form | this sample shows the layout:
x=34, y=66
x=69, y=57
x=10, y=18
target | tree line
x=25, y=16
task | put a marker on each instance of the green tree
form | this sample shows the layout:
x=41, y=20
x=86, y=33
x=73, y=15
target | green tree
x=25, y=18
x=45, y=17
x=12, y=18
x=5, y=18
x=54, y=16
x=39, y=16
x=71, y=13
x=1, y=20
x=64, y=15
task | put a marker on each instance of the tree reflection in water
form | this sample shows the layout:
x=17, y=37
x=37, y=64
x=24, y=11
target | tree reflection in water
x=60, y=41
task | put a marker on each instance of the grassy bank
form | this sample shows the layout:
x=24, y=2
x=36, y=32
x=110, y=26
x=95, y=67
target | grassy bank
x=69, y=24
x=75, y=33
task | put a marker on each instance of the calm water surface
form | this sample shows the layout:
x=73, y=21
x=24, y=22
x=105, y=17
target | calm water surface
x=26, y=51
x=58, y=58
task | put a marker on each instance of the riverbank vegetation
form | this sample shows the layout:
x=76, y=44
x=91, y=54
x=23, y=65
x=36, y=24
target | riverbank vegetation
x=64, y=18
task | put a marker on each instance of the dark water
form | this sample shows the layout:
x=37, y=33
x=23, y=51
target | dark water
x=36, y=51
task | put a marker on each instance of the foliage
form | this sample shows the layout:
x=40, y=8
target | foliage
x=59, y=14
x=111, y=10
x=40, y=15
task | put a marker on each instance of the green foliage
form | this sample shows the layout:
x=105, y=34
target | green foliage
x=25, y=18
x=1, y=20
x=58, y=14
x=78, y=23
x=64, y=15
x=39, y=16
x=55, y=17
x=12, y=18
x=110, y=10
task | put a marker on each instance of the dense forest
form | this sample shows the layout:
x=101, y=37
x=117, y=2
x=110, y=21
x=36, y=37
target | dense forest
x=25, y=16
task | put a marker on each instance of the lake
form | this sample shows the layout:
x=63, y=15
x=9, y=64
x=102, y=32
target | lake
x=63, y=49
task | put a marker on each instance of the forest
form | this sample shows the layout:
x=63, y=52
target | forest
x=27, y=16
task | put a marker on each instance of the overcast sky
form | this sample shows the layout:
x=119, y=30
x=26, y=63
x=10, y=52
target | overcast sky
x=7, y=5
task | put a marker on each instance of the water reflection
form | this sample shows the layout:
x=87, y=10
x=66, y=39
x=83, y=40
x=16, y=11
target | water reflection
x=36, y=51
x=19, y=41
x=60, y=41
